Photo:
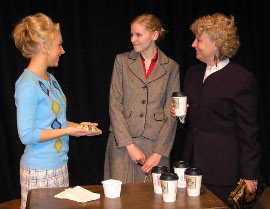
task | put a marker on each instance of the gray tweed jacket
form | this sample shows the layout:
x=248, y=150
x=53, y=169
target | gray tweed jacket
x=140, y=106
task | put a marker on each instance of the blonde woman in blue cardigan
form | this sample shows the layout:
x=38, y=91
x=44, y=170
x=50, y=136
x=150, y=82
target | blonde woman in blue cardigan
x=41, y=107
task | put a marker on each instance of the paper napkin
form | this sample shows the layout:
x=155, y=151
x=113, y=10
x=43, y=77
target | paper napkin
x=78, y=194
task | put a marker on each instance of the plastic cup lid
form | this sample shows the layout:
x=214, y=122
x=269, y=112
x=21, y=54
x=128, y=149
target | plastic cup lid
x=160, y=169
x=178, y=94
x=193, y=172
x=169, y=176
x=180, y=164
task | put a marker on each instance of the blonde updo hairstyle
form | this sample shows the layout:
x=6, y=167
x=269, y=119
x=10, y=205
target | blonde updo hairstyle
x=220, y=28
x=151, y=23
x=33, y=30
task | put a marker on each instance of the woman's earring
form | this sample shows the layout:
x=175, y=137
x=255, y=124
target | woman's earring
x=215, y=59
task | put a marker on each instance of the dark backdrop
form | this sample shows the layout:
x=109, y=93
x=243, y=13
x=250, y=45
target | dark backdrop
x=93, y=34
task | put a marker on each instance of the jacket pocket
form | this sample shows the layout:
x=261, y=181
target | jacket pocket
x=127, y=113
x=159, y=116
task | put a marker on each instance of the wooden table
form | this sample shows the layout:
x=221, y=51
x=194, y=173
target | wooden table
x=133, y=196
x=264, y=200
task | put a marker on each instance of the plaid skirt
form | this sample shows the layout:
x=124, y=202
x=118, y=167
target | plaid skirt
x=34, y=179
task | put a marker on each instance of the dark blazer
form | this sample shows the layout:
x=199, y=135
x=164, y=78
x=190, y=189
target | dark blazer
x=222, y=138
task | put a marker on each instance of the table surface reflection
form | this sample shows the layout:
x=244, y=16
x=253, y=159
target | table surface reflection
x=135, y=195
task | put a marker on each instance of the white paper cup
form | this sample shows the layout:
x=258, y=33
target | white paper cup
x=182, y=183
x=156, y=173
x=169, y=186
x=112, y=188
x=157, y=183
x=179, y=103
x=179, y=168
x=194, y=181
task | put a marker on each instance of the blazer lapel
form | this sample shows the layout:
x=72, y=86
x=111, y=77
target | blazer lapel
x=136, y=66
x=160, y=67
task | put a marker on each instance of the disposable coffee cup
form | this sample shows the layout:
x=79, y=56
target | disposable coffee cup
x=112, y=188
x=156, y=173
x=169, y=186
x=179, y=103
x=179, y=168
x=194, y=181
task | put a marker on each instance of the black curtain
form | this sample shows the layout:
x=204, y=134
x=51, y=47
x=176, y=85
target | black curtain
x=93, y=34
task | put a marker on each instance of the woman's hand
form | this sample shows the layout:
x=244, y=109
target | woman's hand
x=151, y=162
x=251, y=185
x=77, y=132
x=135, y=154
x=173, y=110
x=94, y=134
x=91, y=124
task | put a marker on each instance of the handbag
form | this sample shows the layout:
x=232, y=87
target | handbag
x=241, y=197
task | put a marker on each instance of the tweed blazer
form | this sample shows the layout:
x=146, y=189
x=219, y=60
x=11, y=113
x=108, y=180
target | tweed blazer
x=140, y=106
x=223, y=126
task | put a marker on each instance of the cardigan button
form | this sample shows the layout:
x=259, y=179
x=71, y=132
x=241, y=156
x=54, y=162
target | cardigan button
x=145, y=87
x=141, y=115
x=143, y=101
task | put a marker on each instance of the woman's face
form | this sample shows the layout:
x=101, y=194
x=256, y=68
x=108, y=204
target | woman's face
x=205, y=48
x=55, y=50
x=142, y=39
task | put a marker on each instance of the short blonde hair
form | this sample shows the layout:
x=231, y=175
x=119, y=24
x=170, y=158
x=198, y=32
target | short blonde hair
x=32, y=30
x=151, y=23
x=220, y=28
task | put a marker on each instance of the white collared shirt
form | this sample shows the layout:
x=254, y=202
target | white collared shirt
x=211, y=69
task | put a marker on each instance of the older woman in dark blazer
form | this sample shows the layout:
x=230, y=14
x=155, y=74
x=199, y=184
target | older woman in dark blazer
x=222, y=137
x=142, y=127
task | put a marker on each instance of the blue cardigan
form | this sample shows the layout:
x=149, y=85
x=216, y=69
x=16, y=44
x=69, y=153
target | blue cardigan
x=37, y=109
